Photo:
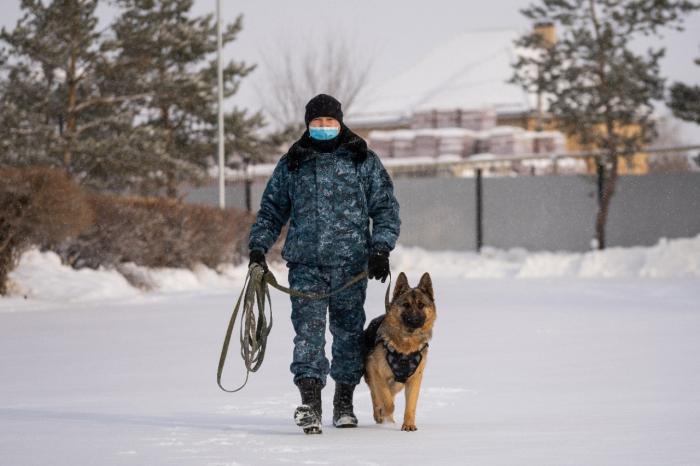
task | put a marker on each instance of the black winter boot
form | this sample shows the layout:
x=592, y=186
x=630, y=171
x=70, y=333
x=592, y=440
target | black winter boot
x=308, y=414
x=343, y=416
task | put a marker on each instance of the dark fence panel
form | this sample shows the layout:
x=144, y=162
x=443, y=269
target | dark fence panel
x=540, y=212
x=437, y=213
x=533, y=212
x=235, y=195
x=646, y=208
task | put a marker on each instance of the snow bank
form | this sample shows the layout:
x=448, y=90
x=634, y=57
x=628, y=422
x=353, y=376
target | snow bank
x=175, y=280
x=40, y=275
x=679, y=258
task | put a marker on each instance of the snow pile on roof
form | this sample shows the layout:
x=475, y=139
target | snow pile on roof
x=469, y=71
x=40, y=275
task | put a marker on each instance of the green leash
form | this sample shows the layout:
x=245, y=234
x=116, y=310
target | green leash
x=254, y=331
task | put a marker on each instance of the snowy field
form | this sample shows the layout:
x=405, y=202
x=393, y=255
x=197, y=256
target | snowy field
x=537, y=359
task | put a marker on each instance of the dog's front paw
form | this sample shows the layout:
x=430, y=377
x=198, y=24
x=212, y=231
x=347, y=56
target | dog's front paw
x=409, y=427
x=382, y=417
x=385, y=420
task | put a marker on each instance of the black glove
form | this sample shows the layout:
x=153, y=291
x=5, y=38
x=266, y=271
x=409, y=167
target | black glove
x=378, y=266
x=257, y=257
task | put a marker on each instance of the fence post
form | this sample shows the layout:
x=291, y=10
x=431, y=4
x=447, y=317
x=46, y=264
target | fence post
x=479, y=211
x=600, y=178
x=248, y=194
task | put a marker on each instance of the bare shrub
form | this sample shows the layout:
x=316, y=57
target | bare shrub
x=39, y=206
x=43, y=207
x=157, y=232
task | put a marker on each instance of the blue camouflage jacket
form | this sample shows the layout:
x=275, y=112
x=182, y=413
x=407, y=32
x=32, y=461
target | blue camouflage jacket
x=329, y=199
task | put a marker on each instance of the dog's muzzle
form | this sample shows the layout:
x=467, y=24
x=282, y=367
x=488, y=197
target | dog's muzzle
x=413, y=320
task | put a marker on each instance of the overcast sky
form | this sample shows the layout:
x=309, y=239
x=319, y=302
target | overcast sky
x=394, y=33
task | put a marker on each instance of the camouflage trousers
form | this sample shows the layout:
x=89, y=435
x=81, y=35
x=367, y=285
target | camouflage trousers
x=347, y=319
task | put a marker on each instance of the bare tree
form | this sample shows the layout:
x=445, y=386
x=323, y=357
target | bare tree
x=599, y=89
x=294, y=74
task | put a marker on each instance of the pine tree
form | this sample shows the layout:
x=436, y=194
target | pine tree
x=598, y=89
x=684, y=100
x=58, y=108
x=24, y=133
x=169, y=55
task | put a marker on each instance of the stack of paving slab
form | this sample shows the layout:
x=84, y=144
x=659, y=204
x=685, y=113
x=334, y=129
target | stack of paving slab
x=462, y=133
x=402, y=143
x=382, y=142
x=425, y=143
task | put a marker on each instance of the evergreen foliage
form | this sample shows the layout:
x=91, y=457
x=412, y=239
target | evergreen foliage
x=684, y=100
x=130, y=107
x=57, y=110
x=170, y=56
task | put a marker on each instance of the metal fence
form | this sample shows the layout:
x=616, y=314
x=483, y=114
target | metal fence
x=546, y=212
x=549, y=212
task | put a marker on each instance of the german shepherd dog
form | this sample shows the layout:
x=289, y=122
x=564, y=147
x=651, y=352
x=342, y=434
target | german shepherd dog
x=396, y=349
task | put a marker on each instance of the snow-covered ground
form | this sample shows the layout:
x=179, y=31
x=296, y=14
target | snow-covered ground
x=537, y=359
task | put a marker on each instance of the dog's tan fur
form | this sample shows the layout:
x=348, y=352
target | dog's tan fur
x=378, y=374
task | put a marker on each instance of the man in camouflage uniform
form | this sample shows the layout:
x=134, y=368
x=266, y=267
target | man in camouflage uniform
x=328, y=185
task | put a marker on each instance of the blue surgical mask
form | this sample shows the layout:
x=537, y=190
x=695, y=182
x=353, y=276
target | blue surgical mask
x=323, y=133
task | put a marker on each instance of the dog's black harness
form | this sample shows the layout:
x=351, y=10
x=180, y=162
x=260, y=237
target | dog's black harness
x=402, y=365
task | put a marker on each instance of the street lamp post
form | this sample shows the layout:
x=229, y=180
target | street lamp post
x=220, y=86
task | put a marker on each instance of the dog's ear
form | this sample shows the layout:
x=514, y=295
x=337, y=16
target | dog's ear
x=426, y=285
x=401, y=286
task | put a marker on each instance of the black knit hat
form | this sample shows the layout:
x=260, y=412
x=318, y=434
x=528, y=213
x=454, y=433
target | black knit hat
x=323, y=105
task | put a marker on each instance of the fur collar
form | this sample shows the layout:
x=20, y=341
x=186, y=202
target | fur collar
x=350, y=143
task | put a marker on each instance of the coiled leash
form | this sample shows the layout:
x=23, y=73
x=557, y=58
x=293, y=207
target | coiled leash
x=254, y=331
